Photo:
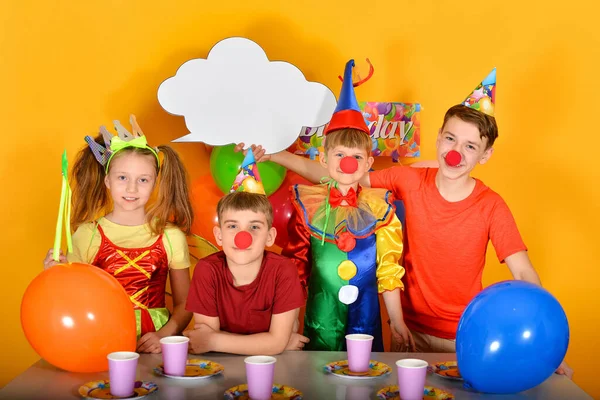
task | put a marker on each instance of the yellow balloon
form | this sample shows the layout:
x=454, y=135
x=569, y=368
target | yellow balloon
x=487, y=106
x=252, y=186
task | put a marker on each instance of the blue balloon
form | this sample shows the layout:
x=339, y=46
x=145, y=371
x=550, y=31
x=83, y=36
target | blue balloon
x=511, y=337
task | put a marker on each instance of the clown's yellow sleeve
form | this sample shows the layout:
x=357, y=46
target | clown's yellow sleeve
x=389, y=256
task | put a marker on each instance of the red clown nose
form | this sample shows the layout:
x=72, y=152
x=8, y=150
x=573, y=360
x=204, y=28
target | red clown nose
x=242, y=240
x=453, y=158
x=348, y=165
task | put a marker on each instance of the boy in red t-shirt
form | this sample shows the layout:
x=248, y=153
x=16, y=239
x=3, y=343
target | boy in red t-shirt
x=245, y=300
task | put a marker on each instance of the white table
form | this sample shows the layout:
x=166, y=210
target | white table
x=301, y=370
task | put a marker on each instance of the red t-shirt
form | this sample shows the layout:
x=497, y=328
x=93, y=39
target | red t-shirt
x=245, y=309
x=446, y=244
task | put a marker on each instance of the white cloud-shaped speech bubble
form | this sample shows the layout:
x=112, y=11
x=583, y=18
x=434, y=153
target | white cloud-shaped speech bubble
x=237, y=95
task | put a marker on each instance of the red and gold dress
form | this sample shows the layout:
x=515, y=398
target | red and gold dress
x=139, y=260
x=143, y=274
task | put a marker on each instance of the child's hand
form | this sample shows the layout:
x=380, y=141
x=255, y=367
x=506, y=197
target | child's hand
x=296, y=342
x=200, y=339
x=402, y=335
x=296, y=326
x=149, y=343
x=565, y=370
x=50, y=262
x=259, y=152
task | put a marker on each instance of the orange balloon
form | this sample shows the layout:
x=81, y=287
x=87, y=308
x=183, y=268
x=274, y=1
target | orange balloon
x=74, y=315
x=205, y=197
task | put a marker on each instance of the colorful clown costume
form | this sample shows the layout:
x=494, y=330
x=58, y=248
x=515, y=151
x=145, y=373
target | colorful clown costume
x=347, y=247
x=346, y=265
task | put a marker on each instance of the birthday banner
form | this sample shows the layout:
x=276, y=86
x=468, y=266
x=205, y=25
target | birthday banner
x=395, y=131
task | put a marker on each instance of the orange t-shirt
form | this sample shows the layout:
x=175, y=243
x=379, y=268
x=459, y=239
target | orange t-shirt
x=446, y=245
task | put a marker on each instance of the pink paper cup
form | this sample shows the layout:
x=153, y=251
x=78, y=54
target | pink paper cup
x=411, y=378
x=259, y=374
x=359, y=352
x=174, y=353
x=122, y=367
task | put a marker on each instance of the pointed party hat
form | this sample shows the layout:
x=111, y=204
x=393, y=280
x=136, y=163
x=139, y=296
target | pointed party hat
x=347, y=114
x=248, y=179
x=483, y=98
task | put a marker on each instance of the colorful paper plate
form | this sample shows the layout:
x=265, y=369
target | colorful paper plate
x=340, y=368
x=101, y=390
x=448, y=370
x=280, y=392
x=195, y=369
x=430, y=393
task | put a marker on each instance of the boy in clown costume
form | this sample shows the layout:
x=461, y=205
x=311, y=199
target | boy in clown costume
x=345, y=239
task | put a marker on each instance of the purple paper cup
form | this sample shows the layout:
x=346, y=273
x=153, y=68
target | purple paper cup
x=174, y=353
x=359, y=352
x=411, y=378
x=259, y=375
x=122, y=368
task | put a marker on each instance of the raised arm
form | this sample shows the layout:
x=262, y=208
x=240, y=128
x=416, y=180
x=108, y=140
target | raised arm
x=308, y=169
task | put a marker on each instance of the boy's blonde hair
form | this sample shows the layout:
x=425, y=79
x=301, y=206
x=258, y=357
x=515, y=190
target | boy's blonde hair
x=349, y=137
x=240, y=201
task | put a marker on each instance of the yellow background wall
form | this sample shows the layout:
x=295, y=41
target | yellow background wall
x=66, y=67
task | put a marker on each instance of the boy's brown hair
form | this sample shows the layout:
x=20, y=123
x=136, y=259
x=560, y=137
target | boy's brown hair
x=240, y=201
x=485, y=123
x=349, y=137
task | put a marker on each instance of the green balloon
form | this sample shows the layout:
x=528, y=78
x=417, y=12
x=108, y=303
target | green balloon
x=225, y=165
